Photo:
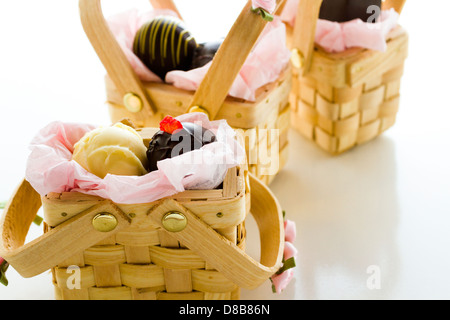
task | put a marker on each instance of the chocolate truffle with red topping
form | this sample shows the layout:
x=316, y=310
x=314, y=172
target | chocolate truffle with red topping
x=176, y=138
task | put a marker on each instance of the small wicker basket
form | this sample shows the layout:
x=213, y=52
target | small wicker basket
x=146, y=104
x=188, y=246
x=340, y=100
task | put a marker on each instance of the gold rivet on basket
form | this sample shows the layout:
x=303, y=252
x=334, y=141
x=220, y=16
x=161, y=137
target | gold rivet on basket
x=104, y=222
x=198, y=109
x=297, y=58
x=132, y=102
x=174, y=221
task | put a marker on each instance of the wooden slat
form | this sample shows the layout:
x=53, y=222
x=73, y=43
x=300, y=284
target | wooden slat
x=112, y=56
x=221, y=253
x=59, y=243
x=372, y=63
x=305, y=30
x=228, y=61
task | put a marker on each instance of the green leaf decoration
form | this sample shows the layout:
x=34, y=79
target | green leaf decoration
x=264, y=14
x=38, y=220
x=287, y=264
x=274, y=290
x=3, y=267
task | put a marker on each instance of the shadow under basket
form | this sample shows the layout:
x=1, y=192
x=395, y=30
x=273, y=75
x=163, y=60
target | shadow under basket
x=187, y=246
x=349, y=98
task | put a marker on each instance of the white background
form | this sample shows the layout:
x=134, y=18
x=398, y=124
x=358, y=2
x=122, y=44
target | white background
x=386, y=203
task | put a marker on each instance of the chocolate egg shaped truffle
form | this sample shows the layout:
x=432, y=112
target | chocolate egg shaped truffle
x=163, y=44
x=205, y=52
x=347, y=10
x=176, y=138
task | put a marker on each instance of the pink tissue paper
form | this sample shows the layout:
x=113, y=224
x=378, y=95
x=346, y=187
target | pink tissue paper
x=50, y=167
x=338, y=37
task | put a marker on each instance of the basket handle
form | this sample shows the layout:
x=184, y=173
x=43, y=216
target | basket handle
x=57, y=244
x=228, y=61
x=303, y=38
x=397, y=5
x=128, y=84
x=221, y=253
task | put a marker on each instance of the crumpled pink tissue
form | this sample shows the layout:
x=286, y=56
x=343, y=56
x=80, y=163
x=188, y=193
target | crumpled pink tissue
x=50, y=167
x=338, y=37
x=259, y=69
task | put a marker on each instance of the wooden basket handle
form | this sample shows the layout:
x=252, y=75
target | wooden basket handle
x=397, y=5
x=56, y=245
x=128, y=84
x=305, y=30
x=228, y=61
x=222, y=254
x=303, y=37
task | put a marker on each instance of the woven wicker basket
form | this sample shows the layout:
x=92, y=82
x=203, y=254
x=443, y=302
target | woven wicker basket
x=340, y=100
x=138, y=256
x=146, y=104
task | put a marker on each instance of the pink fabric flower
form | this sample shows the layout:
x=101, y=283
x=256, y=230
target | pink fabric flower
x=290, y=231
x=281, y=280
x=268, y=5
x=289, y=250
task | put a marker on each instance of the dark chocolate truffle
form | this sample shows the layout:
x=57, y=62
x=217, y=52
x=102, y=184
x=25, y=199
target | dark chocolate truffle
x=205, y=52
x=163, y=44
x=165, y=145
x=347, y=10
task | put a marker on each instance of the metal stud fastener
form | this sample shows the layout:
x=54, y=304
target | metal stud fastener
x=198, y=109
x=174, y=221
x=104, y=222
x=297, y=58
x=132, y=102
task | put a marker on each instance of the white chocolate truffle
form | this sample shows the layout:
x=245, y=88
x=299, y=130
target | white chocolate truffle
x=117, y=150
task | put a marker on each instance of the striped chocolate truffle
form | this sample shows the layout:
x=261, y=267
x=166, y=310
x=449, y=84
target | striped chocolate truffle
x=163, y=44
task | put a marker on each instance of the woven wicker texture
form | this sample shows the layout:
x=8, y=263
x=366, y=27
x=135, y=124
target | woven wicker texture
x=349, y=98
x=144, y=264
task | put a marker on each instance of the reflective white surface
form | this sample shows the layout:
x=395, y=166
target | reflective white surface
x=384, y=206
